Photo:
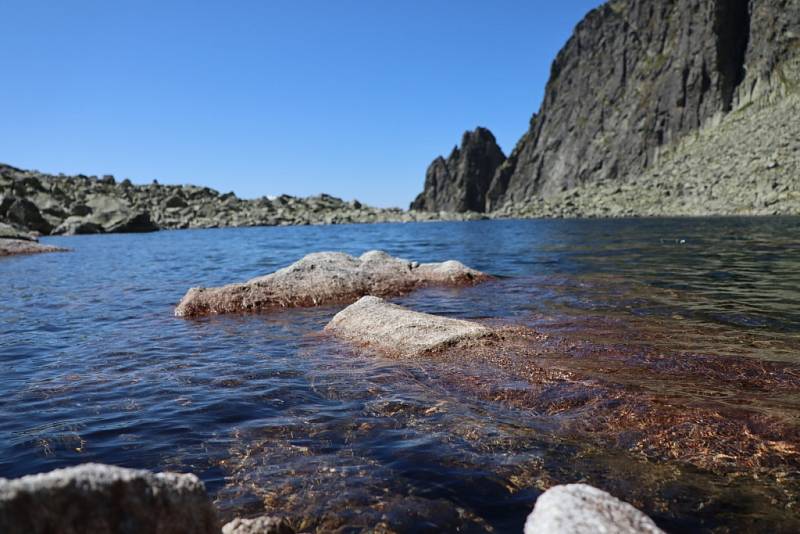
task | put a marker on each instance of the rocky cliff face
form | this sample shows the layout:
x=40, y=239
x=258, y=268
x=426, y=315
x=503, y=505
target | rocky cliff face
x=639, y=75
x=460, y=182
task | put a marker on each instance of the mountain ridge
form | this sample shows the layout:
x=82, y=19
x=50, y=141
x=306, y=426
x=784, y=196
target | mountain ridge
x=638, y=76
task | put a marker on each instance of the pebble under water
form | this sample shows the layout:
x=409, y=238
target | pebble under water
x=688, y=316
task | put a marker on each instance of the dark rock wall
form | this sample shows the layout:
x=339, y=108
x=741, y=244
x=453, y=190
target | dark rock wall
x=772, y=58
x=635, y=75
x=638, y=75
x=461, y=182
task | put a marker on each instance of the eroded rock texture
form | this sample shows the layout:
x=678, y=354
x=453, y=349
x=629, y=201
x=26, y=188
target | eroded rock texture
x=460, y=182
x=326, y=278
x=105, y=499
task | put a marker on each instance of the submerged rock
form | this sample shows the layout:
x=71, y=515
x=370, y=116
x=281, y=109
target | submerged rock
x=377, y=324
x=326, y=278
x=105, y=499
x=591, y=393
x=583, y=509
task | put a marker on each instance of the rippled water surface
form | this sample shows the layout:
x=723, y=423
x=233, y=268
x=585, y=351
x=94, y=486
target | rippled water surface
x=276, y=417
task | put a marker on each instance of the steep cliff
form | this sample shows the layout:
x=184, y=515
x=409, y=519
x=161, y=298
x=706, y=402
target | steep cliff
x=461, y=182
x=636, y=77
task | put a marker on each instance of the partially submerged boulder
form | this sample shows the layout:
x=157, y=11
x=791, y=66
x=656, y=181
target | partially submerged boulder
x=326, y=278
x=374, y=323
x=105, y=499
x=14, y=241
x=12, y=247
x=584, y=509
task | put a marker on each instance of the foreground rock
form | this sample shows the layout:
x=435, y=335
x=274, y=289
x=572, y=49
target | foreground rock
x=377, y=324
x=583, y=509
x=326, y=278
x=105, y=499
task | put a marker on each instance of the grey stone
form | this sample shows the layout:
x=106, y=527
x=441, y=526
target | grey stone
x=105, y=499
x=258, y=525
x=25, y=213
x=9, y=232
x=373, y=323
x=80, y=210
x=326, y=278
x=77, y=226
x=133, y=222
x=583, y=509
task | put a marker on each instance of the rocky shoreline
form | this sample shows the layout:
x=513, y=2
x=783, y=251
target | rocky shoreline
x=67, y=205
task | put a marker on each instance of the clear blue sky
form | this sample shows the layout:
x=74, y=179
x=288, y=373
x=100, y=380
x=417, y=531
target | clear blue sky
x=349, y=97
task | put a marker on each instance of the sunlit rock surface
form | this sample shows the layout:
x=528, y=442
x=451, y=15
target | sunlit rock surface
x=583, y=509
x=377, y=324
x=326, y=278
x=105, y=499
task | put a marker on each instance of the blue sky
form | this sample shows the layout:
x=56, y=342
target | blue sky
x=353, y=98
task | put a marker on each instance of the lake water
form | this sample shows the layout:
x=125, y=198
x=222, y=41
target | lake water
x=276, y=417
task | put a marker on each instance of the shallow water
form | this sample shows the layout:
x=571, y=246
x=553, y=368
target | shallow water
x=275, y=417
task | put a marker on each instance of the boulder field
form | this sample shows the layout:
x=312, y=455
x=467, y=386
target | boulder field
x=104, y=499
x=80, y=204
x=326, y=278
